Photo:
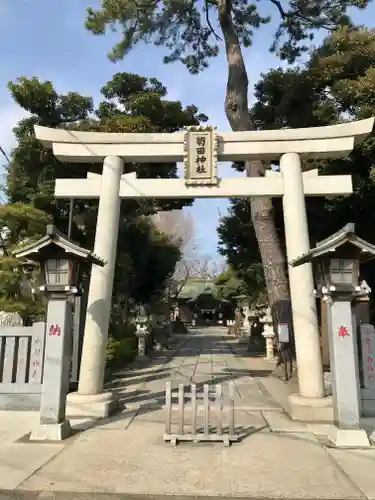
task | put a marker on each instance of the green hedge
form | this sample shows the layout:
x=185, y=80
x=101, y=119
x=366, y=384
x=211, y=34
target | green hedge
x=121, y=347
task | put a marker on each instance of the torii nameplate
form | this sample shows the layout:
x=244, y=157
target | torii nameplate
x=200, y=156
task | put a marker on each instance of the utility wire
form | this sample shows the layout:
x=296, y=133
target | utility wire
x=4, y=154
x=8, y=160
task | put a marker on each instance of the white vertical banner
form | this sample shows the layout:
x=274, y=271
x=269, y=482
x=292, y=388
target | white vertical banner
x=368, y=354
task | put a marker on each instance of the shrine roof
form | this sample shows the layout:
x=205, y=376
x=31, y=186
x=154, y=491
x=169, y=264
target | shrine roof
x=197, y=286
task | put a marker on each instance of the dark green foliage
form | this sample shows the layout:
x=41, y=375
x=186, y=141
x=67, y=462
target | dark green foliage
x=188, y=28
x=131, y=103
x=19, y=222
x=229, y=285
x=238, y=244
x=337, y=83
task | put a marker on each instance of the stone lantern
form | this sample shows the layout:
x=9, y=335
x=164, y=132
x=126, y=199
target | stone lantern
x=60, y=260
x=268, y=333
x=142, y=323
x=336, y=262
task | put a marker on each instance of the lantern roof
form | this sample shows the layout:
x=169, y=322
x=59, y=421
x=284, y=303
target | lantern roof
x=55, y=240
x=345, y=236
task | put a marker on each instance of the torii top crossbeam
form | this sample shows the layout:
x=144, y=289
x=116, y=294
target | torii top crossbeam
x=315, y=142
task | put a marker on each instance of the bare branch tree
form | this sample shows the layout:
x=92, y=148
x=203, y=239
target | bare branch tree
x=209, y=267
x=178, y=226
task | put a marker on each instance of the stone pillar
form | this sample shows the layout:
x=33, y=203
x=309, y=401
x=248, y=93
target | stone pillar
x=367, y=334
x=309, y=361
x=345, y=376
x=324, y=334
x=76, y=341
x=100, y=297
x=53, y=424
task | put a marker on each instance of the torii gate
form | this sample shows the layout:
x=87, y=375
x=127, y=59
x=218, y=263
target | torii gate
x=200, y=148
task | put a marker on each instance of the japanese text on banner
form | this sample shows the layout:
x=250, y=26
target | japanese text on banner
x=368, y=355
x=200, y=155
x=201, y=158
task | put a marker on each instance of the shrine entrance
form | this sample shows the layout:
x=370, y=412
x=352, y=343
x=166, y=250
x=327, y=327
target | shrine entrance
x=199, y=305
x=200, y=149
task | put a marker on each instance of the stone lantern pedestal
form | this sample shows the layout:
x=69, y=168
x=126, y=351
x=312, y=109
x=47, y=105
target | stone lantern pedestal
x=59, y=259
x=337, y=262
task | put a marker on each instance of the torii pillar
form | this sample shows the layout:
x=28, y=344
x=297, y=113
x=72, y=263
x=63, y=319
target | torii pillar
x=90, y=397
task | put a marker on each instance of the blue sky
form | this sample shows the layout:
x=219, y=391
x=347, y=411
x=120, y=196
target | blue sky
x=47, y=39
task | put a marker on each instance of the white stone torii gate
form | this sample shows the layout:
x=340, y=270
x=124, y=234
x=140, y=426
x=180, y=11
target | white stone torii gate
x=289, y=147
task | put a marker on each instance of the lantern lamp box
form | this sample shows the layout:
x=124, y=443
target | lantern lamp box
x=200, y=156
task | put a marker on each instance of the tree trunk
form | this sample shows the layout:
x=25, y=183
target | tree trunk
x=237, y=112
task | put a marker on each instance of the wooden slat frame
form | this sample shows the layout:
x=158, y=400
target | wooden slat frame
x=21, y=359
x=17, y=331
x=219, y=405
x=20, y=388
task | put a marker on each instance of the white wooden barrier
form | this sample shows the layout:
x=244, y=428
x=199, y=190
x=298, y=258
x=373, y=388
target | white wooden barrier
x=21, y=366
x=220, y=429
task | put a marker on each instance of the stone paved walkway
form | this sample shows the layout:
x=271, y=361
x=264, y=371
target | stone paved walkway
x=125, y=454
x=208, y=357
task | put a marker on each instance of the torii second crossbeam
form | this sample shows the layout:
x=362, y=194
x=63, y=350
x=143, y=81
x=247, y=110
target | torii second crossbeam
x=271, y=186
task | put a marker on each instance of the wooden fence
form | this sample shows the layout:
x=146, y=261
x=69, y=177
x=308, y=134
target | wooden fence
x=220, y=428
x=21, y=366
